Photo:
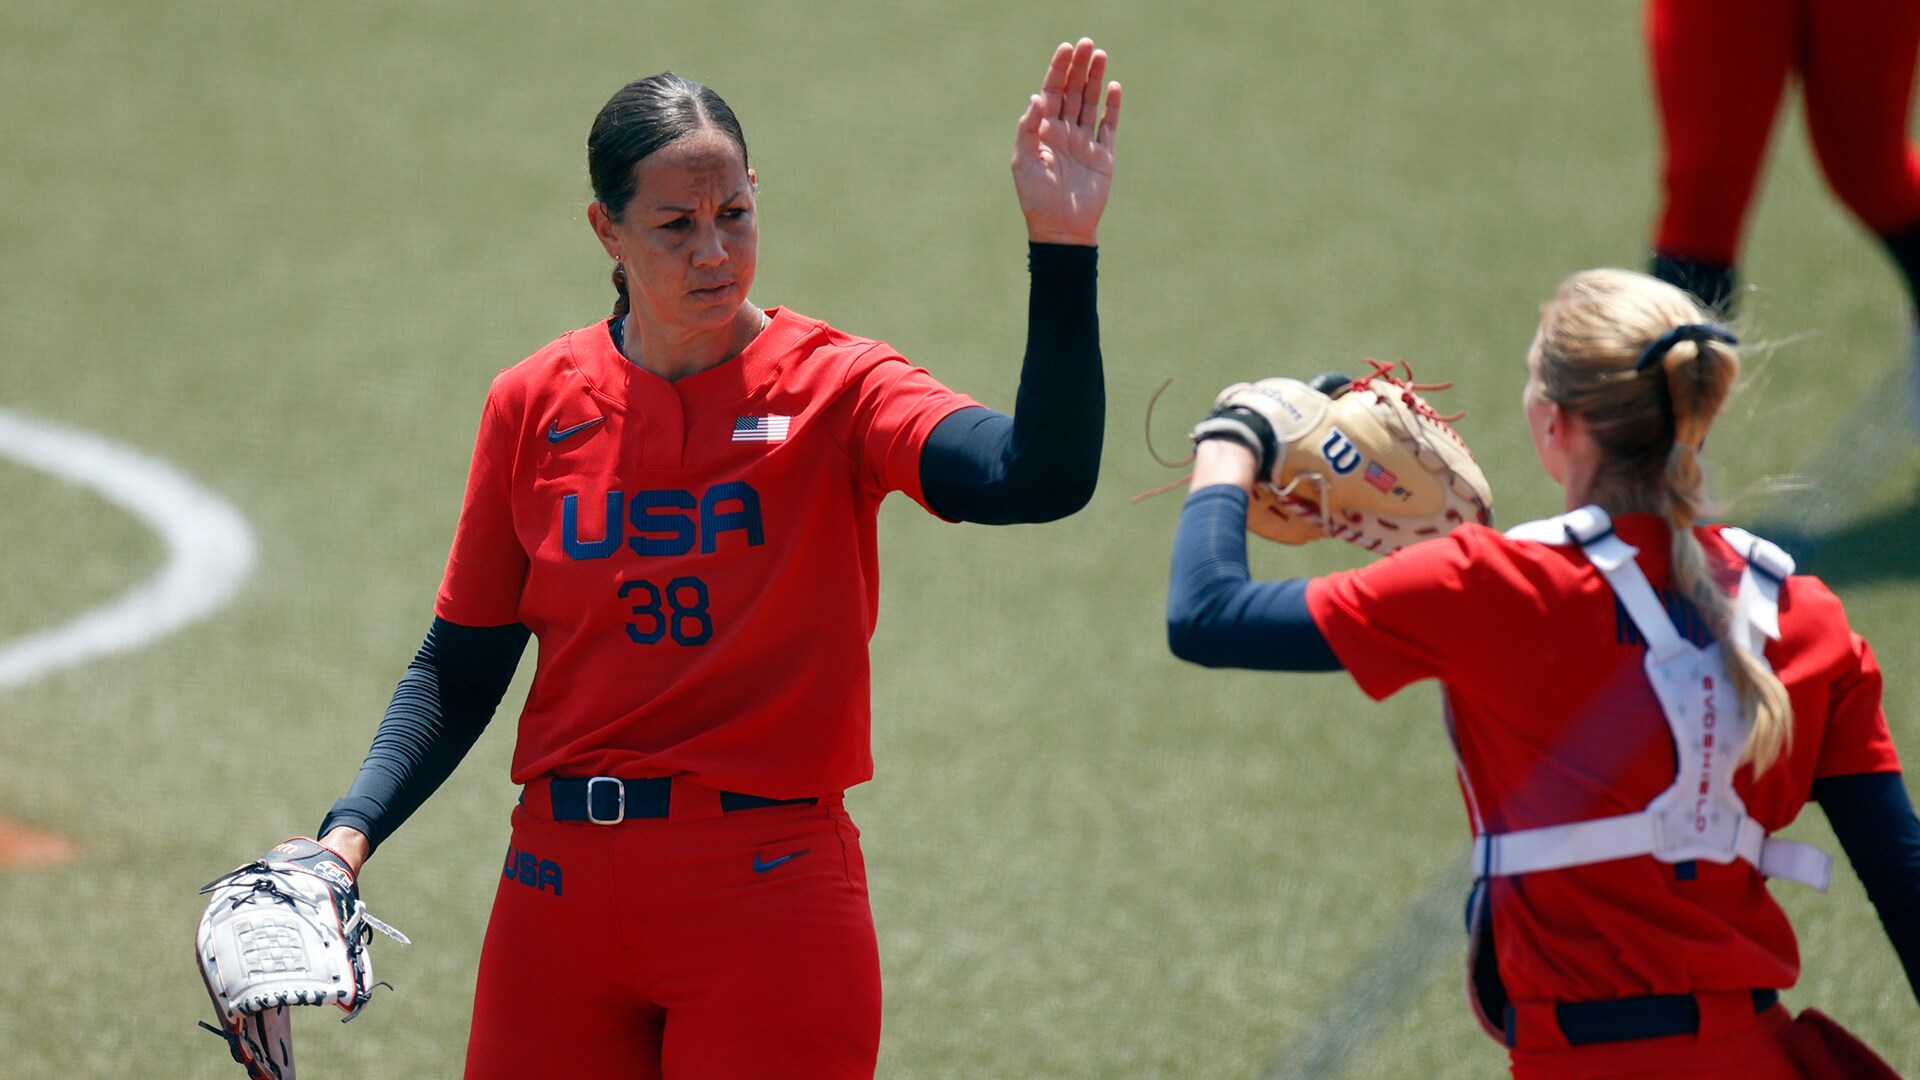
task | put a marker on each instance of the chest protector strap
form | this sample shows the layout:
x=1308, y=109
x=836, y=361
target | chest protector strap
x=1700, y=816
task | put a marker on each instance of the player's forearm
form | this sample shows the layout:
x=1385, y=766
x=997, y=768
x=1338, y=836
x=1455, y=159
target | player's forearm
x=1216, y=615
x=441, y=705
x=1043, y=462
x=1060, y=413
x=1875, y=823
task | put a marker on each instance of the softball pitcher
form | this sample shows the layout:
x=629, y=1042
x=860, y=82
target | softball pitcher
x=679, y=503
x=1637, y=702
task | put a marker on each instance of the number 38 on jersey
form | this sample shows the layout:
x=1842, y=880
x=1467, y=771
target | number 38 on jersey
x=665, y=522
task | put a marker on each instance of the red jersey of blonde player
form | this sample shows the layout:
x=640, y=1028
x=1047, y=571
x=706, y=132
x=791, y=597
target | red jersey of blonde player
x=727, y=518
x=1554, y=721
x=1636, y=702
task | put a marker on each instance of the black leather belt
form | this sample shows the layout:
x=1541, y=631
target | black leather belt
x=609, y=800
x=1588, y=1022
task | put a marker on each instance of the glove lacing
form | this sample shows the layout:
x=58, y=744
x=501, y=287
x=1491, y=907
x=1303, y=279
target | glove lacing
x=364, y=924
x=360, y=928
x=1383, y=371
x=1155, y=454
x=1322, y=506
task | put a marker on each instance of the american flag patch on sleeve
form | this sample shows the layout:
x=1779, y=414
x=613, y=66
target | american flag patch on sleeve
x=761, y=428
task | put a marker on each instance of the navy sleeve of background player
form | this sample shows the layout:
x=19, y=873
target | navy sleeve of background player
x=1040, y=463
x=439, y=709
x=1216, y=615
x=1874, y=820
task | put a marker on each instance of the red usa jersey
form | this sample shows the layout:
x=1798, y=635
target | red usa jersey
x=696, y=558
x=1554, y=721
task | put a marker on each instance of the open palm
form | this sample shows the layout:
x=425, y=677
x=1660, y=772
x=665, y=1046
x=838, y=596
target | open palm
x=1063, y=151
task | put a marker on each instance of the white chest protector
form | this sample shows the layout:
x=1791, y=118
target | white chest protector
x=1700, y=816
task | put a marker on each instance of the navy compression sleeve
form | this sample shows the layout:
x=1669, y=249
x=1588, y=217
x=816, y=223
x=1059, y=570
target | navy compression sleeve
x=1874, y=820
x=1041, y=463
x=438, y=711
x=1216, y=615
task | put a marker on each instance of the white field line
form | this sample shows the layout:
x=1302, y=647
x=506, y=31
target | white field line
x=210, y=548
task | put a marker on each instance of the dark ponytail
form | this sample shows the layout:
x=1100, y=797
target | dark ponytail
x=642, y=117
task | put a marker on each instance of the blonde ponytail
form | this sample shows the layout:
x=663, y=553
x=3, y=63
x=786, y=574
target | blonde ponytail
x=1634, y=359
x=1763, y=698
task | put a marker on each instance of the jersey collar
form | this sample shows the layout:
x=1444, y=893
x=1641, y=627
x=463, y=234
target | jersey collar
x=624, y=385
x=1650, y=533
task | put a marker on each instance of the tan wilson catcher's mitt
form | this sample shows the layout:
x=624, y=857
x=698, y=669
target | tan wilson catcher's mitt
x=1366, y=460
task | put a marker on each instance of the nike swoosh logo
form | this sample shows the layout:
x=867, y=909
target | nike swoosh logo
x=761, y=867
x=555, y=434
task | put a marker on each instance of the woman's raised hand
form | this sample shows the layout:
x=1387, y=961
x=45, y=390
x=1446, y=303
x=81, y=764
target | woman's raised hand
x=1063, y=152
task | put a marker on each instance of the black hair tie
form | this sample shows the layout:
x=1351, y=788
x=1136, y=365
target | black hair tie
x=1657, y=349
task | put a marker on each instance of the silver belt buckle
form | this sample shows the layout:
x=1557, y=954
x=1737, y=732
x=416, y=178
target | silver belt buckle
x=620, y=801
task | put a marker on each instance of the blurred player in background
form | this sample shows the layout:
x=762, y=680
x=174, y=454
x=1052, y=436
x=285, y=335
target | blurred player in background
x=1623, y=924
x=680, y=503
x=1720, y=69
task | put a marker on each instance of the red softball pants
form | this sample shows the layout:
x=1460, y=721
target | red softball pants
x=1720, y=70
x=722, y=946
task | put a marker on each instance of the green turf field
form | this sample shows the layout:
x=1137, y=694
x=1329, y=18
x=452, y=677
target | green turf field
x=284, y=247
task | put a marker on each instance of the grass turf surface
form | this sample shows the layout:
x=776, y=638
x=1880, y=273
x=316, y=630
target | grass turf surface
x=285, y=249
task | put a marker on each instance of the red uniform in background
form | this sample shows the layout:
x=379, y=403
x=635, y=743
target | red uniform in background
x=1720, y=69
x=697, y=560
x=1554, y=721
